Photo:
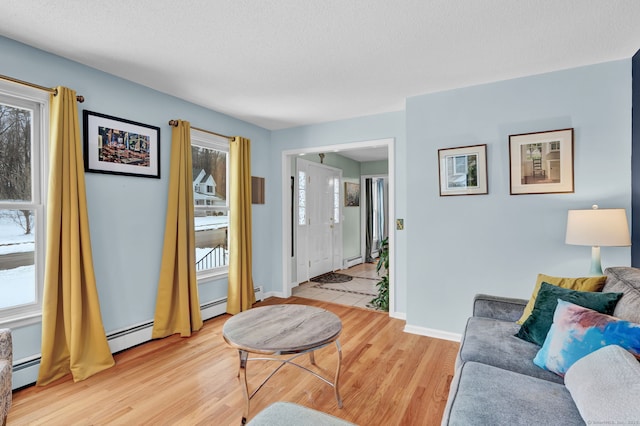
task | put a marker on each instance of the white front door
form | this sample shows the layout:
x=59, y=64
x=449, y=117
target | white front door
x=319, y=231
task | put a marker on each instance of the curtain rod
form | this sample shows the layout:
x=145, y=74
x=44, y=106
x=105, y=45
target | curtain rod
x=174, y=123
x=79, y=98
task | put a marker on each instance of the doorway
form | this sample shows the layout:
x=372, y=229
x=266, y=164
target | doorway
x=374, y=215
x=290, y=276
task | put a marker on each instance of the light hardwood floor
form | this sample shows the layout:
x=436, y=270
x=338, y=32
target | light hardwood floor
x=388, y=378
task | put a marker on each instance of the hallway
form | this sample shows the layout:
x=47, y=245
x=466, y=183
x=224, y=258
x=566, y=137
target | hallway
x=357, y=292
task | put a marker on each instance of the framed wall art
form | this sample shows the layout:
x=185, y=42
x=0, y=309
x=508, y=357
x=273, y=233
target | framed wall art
x=463, y=170
x=541, y=162
x=257, y=190
x=118, y=146
x=351, y=194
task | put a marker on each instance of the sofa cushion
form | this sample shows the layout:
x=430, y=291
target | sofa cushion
x=605, y=386
x=289, y=414
x=625, y=280
x=536, y=327
x=493, y=342
x=578, y=331
x=581, y=284
x=485, y=395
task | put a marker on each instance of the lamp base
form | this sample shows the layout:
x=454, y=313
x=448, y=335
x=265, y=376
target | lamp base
x=596, y=265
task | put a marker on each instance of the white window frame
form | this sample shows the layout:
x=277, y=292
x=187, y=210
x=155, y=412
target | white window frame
x=28, y=97
x=219, y=143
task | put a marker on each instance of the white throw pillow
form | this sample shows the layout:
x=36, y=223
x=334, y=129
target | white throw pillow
x=605, y=386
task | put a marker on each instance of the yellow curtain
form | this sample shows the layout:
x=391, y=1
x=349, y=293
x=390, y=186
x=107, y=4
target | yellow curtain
x=177, y=304
x=73, y=337
x=240, y=294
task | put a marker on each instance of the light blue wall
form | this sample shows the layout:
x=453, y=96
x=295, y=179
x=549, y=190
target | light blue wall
x=127, y=214
x=498, y=243
x=382, y=126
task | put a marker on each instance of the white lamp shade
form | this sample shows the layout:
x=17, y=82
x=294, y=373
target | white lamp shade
x=598, y=227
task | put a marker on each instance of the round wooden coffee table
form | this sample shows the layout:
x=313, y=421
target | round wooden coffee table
x=282, y=330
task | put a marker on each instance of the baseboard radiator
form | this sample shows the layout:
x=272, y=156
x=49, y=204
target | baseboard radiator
x=348, y=263
x=25, y=371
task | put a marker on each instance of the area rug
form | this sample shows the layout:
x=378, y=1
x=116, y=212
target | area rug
x=328, y=286
x=331, y=277
x=340, y=282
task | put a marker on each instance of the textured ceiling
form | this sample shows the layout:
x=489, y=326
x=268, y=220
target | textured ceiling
x=284, y=63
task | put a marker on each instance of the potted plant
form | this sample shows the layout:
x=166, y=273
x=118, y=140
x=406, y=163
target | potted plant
x=382, y=300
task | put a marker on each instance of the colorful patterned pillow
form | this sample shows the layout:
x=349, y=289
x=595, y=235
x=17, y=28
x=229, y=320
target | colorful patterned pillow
x=536, y=327
x=578, y=331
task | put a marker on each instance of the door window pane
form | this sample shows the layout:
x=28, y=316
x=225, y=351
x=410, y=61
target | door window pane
x=302, y=197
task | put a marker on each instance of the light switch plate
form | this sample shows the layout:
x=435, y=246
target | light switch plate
x=399, y=224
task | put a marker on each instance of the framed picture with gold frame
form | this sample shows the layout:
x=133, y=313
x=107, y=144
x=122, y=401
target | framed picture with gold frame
x=541, y=162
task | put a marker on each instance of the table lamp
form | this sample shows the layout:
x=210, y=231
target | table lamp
x=597, y=228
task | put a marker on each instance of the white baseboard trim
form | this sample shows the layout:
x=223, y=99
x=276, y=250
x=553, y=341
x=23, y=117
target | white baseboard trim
x=140, y=333
x=274, y=294
x=430, y=332
x=398, y=315
x=25, y=370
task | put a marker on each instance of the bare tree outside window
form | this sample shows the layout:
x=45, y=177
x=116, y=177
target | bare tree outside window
x=15, y=162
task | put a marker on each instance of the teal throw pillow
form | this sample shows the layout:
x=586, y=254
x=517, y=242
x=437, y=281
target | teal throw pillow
x=577, y=332
x=536, y=327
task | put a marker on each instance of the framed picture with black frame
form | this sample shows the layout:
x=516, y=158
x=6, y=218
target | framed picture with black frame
x=463, y=170
x=118, y=146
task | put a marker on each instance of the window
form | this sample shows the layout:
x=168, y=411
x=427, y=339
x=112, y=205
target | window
x=302, y=197
x=532, y=151
x=461, y=165
x=24, y=115
x=336, y=200
x=209, y=155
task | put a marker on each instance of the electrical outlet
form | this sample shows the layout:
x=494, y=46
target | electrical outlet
x=399, y=224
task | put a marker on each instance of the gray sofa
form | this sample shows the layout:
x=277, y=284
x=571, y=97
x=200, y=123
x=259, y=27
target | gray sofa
x=496, y=381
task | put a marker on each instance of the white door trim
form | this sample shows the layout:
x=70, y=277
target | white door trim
x=286, y=168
